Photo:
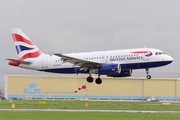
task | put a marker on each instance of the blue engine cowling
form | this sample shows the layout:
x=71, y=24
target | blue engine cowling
x=124, y=73
x=110, y=69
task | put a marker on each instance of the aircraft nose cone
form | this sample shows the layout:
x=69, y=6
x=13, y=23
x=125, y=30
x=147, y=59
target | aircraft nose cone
x=170, y=58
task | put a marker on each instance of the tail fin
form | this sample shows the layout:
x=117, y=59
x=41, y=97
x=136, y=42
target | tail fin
x=24, y=47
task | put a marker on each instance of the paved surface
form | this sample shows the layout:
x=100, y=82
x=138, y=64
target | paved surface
x=74, y=110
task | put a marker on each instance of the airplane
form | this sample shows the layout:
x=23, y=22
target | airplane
x=113, y=63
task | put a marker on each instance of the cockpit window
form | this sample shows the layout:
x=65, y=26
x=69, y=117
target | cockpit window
x=159, y=53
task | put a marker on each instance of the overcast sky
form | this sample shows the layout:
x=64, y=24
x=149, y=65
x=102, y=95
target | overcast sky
x=91, y=25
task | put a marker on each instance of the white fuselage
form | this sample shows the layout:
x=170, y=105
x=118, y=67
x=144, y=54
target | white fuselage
x=132, y=58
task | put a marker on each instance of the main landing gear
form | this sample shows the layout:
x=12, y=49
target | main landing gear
x=98, y=80
x=90, y=79
x=147, y=72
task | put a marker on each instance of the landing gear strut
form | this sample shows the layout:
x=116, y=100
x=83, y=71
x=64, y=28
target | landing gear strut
x=147, y=72
x=90, y=79
x=98, y=80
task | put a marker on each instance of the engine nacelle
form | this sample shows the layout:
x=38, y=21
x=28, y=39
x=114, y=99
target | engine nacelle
x=110, y=69
x=124, y=73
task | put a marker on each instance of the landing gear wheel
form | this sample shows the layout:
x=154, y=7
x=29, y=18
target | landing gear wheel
x=90, y=79
x=98, y=81
x=148, y=76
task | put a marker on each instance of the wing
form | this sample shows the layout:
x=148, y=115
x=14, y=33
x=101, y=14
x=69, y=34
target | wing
x=84, y=64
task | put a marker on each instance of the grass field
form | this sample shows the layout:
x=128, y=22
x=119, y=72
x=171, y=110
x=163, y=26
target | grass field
x=85, y=116
x=69, y=104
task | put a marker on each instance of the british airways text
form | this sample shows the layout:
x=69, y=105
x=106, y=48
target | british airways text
x=127, y=58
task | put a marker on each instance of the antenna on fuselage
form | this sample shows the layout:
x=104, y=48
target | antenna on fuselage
x=50, y=53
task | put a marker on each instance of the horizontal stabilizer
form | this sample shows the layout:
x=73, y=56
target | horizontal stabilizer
x=20, y=61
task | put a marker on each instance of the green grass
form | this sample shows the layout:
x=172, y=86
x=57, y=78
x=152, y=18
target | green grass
x=70, y=104
x=6, y=115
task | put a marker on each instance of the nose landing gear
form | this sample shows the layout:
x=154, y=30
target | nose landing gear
x=147, y=72
x=148, y=76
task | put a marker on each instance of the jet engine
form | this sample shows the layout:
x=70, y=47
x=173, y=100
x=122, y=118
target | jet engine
x=109, y=69
x=124, y=73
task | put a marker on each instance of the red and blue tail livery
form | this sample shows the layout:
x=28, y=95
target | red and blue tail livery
x=113, y=63
x=24, y=47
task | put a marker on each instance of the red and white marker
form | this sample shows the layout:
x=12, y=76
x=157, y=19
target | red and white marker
x=81, y=87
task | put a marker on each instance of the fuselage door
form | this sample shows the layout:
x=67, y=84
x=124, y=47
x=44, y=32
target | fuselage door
x=44, y=62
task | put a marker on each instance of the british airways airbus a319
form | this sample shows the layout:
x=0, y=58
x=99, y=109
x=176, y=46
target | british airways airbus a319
x=113, y=63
